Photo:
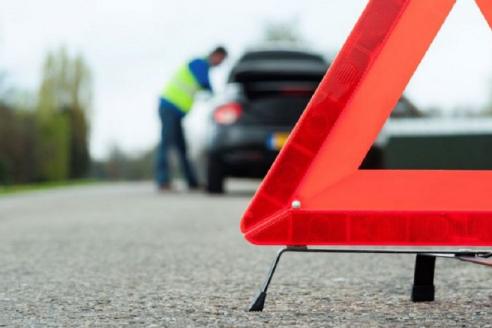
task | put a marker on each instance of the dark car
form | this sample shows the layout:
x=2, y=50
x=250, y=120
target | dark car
x=272, y=88
x=249, y=127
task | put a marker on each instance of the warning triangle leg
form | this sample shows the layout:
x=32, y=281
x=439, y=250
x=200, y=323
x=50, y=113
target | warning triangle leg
x=423, y=281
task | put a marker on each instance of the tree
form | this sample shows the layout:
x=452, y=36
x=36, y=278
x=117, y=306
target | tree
x=64, y=100
x=3, y=88
x=17, y=146
x=17, y=134
x=488, y=108
x=283, y=32
x=79, y=147
x=7, y=143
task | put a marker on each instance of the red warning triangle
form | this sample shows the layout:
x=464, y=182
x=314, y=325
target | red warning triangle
x=314, y=193
x=486, y=7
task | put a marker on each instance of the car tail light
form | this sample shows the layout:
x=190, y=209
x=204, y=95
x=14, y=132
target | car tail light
x=228, y=114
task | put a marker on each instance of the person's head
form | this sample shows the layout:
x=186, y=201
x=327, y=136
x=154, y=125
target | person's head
x=217, y=56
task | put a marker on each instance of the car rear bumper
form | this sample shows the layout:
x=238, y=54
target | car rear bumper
x=245, y=151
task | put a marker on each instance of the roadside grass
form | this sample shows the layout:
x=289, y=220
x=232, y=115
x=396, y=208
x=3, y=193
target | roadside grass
x=15, y=189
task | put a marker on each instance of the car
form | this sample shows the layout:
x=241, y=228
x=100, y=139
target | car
x=266, y=92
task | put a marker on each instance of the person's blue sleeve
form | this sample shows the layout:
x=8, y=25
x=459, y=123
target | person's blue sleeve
x=200, y=69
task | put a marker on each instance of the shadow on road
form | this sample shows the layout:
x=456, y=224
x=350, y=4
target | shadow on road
x=237, y=194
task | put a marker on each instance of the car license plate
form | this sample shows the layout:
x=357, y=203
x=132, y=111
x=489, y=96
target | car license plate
x=277, y=140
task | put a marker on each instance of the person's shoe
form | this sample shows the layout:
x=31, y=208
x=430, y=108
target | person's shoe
x=164, y=188
x=194, y=188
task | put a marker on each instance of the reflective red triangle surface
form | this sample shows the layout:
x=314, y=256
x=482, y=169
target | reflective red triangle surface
x=314, y=193
x=486, y=7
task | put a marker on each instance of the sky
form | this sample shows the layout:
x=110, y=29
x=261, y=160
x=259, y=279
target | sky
x=133, y=46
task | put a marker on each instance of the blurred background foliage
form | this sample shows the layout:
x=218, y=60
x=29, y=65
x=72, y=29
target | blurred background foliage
x=488, y=108
x=44, y=136
x=122, y=166
x=283, y=32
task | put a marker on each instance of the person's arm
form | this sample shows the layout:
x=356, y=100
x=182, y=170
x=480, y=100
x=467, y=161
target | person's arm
x=200, y=69
x=207, y=85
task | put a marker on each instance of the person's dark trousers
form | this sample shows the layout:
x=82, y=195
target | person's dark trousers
x=172, y=136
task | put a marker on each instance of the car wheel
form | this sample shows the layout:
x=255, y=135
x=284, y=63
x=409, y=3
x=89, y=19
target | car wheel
x=215, y=176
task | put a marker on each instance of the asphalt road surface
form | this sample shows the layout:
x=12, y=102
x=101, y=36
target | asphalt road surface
x=123, y=255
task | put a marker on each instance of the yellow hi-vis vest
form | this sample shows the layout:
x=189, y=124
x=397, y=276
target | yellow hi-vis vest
x=181, y=89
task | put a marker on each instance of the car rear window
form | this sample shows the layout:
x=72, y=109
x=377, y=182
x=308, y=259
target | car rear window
x=278, y=66
x=281, y=55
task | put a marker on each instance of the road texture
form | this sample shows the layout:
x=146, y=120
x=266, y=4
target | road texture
x=123, y=255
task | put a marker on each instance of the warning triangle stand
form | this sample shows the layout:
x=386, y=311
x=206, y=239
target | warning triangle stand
x=315, y=195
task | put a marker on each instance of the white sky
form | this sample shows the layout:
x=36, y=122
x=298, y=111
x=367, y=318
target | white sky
x=133, y=46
